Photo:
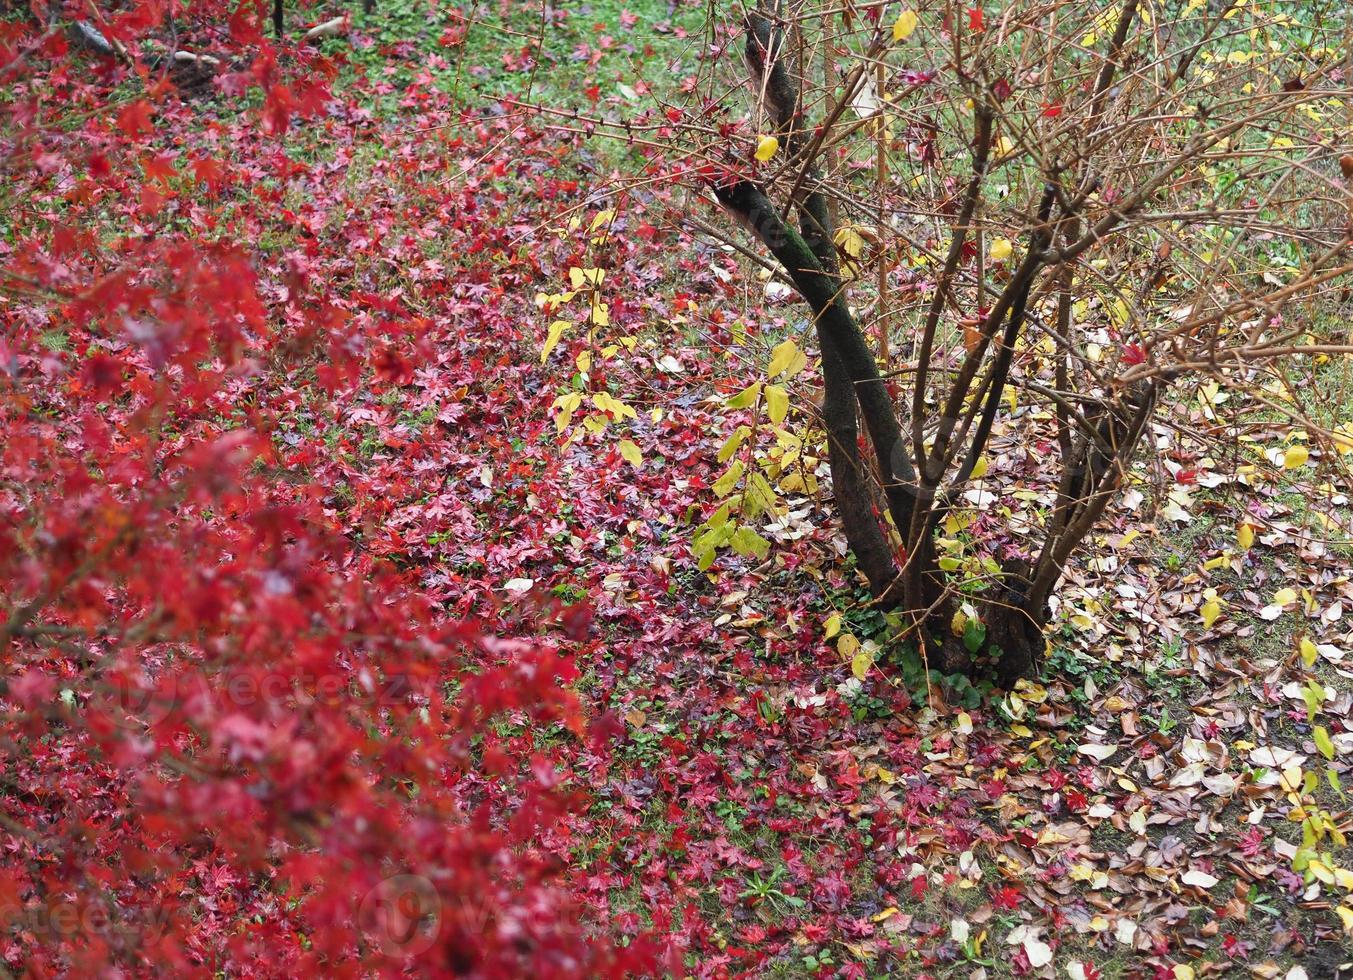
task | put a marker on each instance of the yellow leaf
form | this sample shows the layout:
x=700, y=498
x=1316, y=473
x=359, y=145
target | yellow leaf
x=906, y=23
x=777, y=403
x=1118, y=311
x=1291, y=778
x=564, y=406
x=851, y=241
x=1245, y=537
x=1309, y=652
x=1323, y=742
x=847, y=645
x=980, y=469
x=630, y=452
x=1284, y=596
x=1346, y=918
x=1001, y=249
x=786, y=359
x=614, y=406
x=832, y=626
x=1295, y=457
x=1183, y=971
x=557, y=329
x=578, y=278
x=1343, y=439
x=724, y=485
x=1137, y=821
x=746, y=397
x=733, y=443
x=860, y=664
x=766, y=148
x=747, y=543
x=964, y=725
x=1210, y=611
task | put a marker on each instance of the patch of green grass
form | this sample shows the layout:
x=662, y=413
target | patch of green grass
x=571, y=56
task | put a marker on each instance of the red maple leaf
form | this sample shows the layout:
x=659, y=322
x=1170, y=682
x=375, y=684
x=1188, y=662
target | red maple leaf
x=134, y=118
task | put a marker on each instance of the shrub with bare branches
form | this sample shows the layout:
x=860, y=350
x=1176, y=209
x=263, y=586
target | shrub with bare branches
x=1067, y=205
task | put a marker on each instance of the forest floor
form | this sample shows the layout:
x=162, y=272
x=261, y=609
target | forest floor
x=777, y=812
x=1129, y=815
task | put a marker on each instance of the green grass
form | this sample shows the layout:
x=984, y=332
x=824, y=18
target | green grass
x=569, y=56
